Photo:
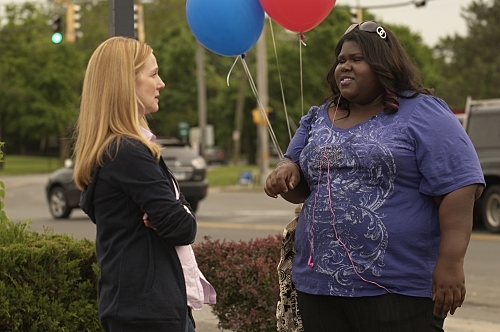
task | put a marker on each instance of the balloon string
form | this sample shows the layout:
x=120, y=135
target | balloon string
x=261, y=107
x=230, y=70
x=281, y=85
x=302, y=37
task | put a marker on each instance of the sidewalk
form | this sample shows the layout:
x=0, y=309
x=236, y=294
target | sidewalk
x=207, y=322
x=457, y=324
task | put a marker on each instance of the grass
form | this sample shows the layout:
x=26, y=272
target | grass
x=228, y=175
x=18, y=165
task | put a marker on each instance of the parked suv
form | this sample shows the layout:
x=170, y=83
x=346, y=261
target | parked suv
x=481, y=121
x=187, y=166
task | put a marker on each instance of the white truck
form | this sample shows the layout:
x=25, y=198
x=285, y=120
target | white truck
x=481, y=121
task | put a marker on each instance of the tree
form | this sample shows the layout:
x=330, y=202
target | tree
x=471, y=63
x=39, y=81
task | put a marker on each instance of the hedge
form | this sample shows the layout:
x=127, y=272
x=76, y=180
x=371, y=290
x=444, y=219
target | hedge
x=246, y=280
x=48, y=281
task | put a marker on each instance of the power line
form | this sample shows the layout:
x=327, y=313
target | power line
x=417, y=3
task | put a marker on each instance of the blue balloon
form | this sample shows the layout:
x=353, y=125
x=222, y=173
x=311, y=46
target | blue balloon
x=226, y=27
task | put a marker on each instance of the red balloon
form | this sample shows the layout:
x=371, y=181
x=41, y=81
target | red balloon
x=298, y=15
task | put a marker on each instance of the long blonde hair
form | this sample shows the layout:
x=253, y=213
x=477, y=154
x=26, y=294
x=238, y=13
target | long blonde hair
x=109, y=105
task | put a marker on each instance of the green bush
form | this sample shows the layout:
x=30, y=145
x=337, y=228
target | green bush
x=245, y=278
x=47, y=283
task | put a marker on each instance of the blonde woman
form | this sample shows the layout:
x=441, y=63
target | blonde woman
x=124, y=179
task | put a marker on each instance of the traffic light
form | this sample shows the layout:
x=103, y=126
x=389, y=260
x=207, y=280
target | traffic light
x=139, y=22
x=56, y=29
x=73, y=23
x=258, y=117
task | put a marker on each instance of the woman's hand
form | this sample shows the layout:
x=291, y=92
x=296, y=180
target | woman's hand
x=448, y=287
x=146, y=221
x=455, y=219
x=286, y=180
x=282, y=179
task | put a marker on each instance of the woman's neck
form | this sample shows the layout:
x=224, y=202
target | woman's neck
x=374, y=107
x=356, y=114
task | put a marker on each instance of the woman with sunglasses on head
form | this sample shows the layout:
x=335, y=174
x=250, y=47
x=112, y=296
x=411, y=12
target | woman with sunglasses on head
x=388, y=179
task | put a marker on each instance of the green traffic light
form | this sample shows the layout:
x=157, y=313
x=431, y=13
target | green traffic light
x=57, y=38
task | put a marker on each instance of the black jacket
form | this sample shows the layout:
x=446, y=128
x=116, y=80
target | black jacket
x=141, y=286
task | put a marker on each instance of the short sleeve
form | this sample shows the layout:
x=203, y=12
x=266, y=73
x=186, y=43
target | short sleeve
x=301, y=136
x=445, y=154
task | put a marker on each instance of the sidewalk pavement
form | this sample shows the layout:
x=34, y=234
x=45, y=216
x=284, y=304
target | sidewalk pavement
x=207, y=322
x=457, y=324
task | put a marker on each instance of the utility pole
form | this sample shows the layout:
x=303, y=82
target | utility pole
x=238, y=119
x=263, y=93
x=359, y=12
x=202, y=94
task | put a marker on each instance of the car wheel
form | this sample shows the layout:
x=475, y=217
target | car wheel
x=58, y=203
x=491, y=208
x=193, y=202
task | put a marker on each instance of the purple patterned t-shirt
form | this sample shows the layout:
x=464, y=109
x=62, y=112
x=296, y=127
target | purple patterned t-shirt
x=371, y=224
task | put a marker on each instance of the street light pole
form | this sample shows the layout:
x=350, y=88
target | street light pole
x=263, y=93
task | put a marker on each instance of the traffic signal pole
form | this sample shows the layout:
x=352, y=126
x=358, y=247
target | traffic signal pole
x=121, y=18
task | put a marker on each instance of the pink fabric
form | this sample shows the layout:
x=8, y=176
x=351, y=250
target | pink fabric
x=198, y=289
x=148, y=135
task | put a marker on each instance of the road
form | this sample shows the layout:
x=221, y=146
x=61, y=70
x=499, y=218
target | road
x=242, y=214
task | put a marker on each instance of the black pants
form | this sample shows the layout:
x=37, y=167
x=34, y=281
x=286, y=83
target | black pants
x=384, y=313
x=190, y=325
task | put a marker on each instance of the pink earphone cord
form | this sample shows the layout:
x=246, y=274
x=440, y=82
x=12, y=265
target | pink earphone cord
x=310, y=262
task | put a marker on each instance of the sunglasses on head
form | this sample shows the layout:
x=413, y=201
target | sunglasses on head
x=368, y=26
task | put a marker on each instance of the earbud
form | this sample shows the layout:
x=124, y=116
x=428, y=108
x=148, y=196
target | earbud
x=310, y=262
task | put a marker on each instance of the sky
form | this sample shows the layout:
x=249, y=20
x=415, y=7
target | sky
x=438, y=18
